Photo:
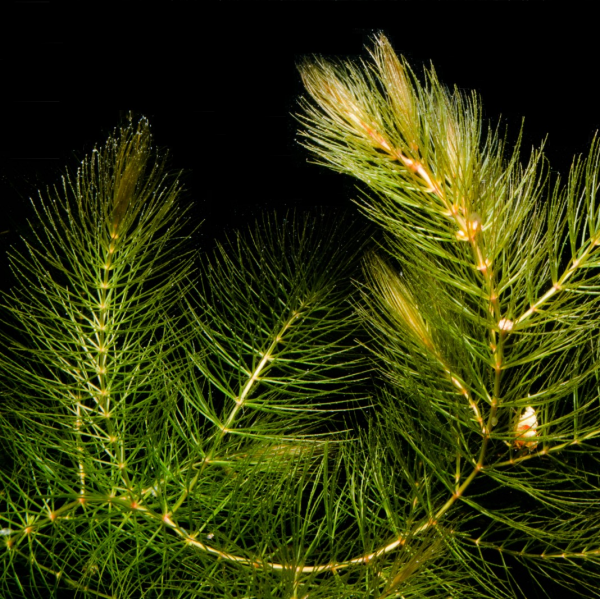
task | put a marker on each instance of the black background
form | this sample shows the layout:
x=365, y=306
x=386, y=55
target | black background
x=219, y=85
x=220, y=91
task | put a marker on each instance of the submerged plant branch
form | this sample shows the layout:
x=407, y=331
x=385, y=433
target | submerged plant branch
x=459, y=214
x=219, y=430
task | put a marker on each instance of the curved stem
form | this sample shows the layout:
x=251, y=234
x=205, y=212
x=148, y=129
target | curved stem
x=251, y=383
x=558, y=285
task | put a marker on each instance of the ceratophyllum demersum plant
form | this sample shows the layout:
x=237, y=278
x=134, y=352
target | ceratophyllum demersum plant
x=311, y=412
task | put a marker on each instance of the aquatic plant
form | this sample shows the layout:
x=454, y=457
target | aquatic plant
x=308, y=413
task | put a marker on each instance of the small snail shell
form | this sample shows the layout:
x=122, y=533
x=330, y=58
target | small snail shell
x=526, y=435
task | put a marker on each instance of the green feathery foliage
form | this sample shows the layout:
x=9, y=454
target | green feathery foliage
x=483, y=307
x=173, y=431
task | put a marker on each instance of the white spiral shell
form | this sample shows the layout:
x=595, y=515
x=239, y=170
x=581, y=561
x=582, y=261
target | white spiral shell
x=526, y=434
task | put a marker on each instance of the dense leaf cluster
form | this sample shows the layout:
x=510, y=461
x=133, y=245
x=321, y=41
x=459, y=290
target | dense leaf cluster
x=306, y=413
